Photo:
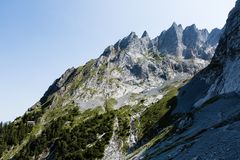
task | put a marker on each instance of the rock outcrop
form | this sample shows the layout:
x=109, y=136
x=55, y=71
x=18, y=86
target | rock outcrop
x=189, y=42
x=134, y=65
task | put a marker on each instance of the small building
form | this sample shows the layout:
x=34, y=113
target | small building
x=31, y=123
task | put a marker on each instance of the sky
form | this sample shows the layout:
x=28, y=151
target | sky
x=40, y=39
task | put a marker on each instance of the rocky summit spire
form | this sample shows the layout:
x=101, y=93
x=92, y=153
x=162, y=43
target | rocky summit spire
x=145, y=34
x=132, y=35
x=174, y=25
x=190, y=36
x=170, y=41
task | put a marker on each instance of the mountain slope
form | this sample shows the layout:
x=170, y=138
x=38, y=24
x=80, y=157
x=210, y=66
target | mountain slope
x=118, y=103
x=208, y=109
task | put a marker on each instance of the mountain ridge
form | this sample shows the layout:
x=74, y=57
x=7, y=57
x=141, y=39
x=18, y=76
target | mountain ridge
x=208, y=106
x=138, y=47
x=122, y=101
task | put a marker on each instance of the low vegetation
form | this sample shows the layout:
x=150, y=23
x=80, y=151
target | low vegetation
x=124, y=115
x=71, y=143
x=109, y=104
x=64, y=132
x=12, y=134
x=83, y=74
x=157, y=114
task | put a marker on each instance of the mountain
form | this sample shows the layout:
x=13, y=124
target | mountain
x=134, y=65
x=126, y=102
x=189, y=42
x=207, y=113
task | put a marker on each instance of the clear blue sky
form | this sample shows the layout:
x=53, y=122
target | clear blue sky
x=40, y=39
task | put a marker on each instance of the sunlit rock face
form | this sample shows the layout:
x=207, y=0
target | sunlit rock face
x=135, y=65
x=189, y=42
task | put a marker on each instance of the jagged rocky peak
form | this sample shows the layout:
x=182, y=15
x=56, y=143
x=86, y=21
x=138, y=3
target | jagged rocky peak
x=132, y=35
x=187, y=43
x=214, y=36
x=170, y=41
x=176, y=27
x=193, y=37
x=135, y=64
x=127, y=42
x=145, y=34
x=131, y=45
x=146, y=41
x=108, y=51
